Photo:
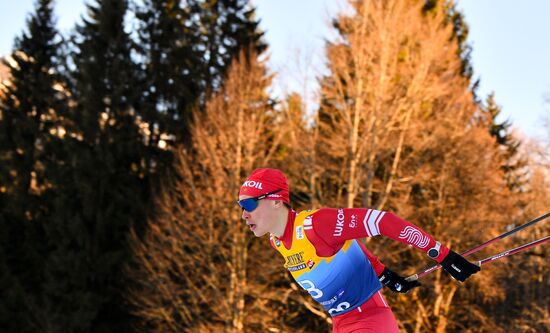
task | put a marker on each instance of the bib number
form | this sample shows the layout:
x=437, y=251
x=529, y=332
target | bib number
x=309, y=286
x=341, y=307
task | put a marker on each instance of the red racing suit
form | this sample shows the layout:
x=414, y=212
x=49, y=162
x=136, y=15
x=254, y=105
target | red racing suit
x=323, y=255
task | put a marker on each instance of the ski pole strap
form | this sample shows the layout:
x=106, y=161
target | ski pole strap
x=482, y=246
x=513, y=251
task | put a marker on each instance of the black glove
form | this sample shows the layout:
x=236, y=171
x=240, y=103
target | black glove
x=396, y=283
x=458, y=267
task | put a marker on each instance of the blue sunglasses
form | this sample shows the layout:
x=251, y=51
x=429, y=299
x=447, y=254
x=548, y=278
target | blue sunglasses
x=249, y=204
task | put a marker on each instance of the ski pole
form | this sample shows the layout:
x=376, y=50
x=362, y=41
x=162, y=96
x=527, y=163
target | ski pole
x=513, y=251
x=482, y=246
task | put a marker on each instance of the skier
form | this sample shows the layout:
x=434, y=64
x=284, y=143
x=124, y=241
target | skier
x=322, y=253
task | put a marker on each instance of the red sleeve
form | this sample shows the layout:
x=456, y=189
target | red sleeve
x=334, y=226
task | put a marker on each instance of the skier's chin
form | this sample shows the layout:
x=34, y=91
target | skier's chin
x=257, y=232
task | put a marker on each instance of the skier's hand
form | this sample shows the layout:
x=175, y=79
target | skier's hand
x=459, y=268
x=396, y=283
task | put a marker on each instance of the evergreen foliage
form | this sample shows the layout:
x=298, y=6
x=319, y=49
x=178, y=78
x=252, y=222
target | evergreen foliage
x=31, y=110
x=83, y=140
x=513, y=164
x=122, y=150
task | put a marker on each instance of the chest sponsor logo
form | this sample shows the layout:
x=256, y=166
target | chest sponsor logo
x=295, y=262
x=339, y=223
x=353, y=222
x=300, y=232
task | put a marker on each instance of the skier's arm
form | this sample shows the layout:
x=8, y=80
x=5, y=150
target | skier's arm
x=392, y=280
x=335, y=226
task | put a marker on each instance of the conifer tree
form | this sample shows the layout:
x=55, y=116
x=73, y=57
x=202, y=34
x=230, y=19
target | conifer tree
x=187, y=48
x=105, y=183
x=170, y=84
x=31, y=111
x=14, y=308
x=460, y=35
x=513, y=164
x=227, y=27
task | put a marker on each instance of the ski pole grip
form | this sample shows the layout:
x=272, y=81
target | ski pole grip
x=412, y=278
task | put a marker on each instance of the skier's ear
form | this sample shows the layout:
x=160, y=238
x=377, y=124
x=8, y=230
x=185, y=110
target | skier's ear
x=278, y=203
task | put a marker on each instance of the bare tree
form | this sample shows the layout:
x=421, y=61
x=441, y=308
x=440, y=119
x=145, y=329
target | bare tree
x=398, y=131
x=193, y=263
x=391, y=67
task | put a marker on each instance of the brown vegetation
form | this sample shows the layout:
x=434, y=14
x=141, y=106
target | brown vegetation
x=398, y=129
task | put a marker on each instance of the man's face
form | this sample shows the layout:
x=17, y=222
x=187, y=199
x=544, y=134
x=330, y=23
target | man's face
x=262, y=219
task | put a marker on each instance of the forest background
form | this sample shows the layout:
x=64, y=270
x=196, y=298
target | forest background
x=122, y=150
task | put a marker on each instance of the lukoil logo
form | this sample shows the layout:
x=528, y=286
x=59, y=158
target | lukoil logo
x=254, y=184
x=339, y=223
